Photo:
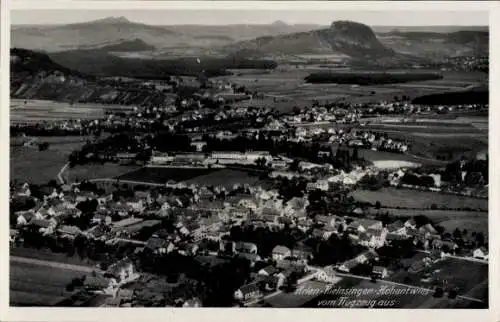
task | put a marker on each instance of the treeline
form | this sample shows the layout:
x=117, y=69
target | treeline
x=369, y=78
x=454, y=98
x=104, y=64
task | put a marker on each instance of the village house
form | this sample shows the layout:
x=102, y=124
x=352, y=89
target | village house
x=97, y=283
x=248, y=292
x=362, y=225
x=379, y=271
x=159, y=245
x=122, y=272
x=280, y=252
x=268, y=271
x=327, y=275
x=397, y=228
x=480, y=253
x=348, y=265
x=69, y=232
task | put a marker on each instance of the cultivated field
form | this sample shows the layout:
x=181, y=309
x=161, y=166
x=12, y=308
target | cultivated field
x=33, y=111
x=96, y=171
x=38, y=167
x=38, y=285
x=287, y=83
x=225, y=177
x=449, y=272
x=162, y=175
x=405, y=198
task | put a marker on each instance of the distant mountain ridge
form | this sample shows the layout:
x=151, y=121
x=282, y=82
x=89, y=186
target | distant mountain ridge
x=96, y=33
x=342, y=37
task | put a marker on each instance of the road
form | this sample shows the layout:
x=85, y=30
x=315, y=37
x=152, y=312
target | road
x=78, y=268
x=59, y=175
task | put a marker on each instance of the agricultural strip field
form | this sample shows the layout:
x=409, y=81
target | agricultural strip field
x=288, y=84
x=33, y=111
x=39, y=285
x=405, y=198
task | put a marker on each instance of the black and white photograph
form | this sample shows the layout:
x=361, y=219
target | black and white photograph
x=256, y=158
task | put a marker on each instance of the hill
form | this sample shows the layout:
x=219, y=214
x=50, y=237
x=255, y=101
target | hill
x=25, y=62
x=128, y=46
x=437, y=45
x=344, y=38
x=113, y=30
x=89, y=34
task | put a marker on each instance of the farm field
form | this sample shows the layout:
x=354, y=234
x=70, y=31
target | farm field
x=225, y=177
x=162, y=175
x=48, y=255
x=405, y=198
x=97, y=171
x=39, y=167
x=465, y=275
x=450, y=219
x=32, y=111
x=32, y=284
x=289, y=84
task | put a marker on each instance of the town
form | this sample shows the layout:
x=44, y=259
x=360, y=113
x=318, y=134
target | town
x=214, y=191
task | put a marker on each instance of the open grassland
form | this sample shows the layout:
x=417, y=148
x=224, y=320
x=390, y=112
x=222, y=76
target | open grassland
x=38, y=167
x=38, y=285
x=414, y=199
x=97, y=171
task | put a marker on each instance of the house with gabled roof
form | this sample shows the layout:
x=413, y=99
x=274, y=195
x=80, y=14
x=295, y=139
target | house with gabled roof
x=327, y=275
x=268, y=271
x=397, y=228
x=480, y=253
x=280, y=252
x=248, y=292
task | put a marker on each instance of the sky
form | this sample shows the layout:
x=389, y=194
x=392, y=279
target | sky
x=224, y=17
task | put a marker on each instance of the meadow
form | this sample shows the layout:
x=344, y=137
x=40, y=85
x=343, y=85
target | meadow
x=37, y=285
x=415, y=199
x=38, y=167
